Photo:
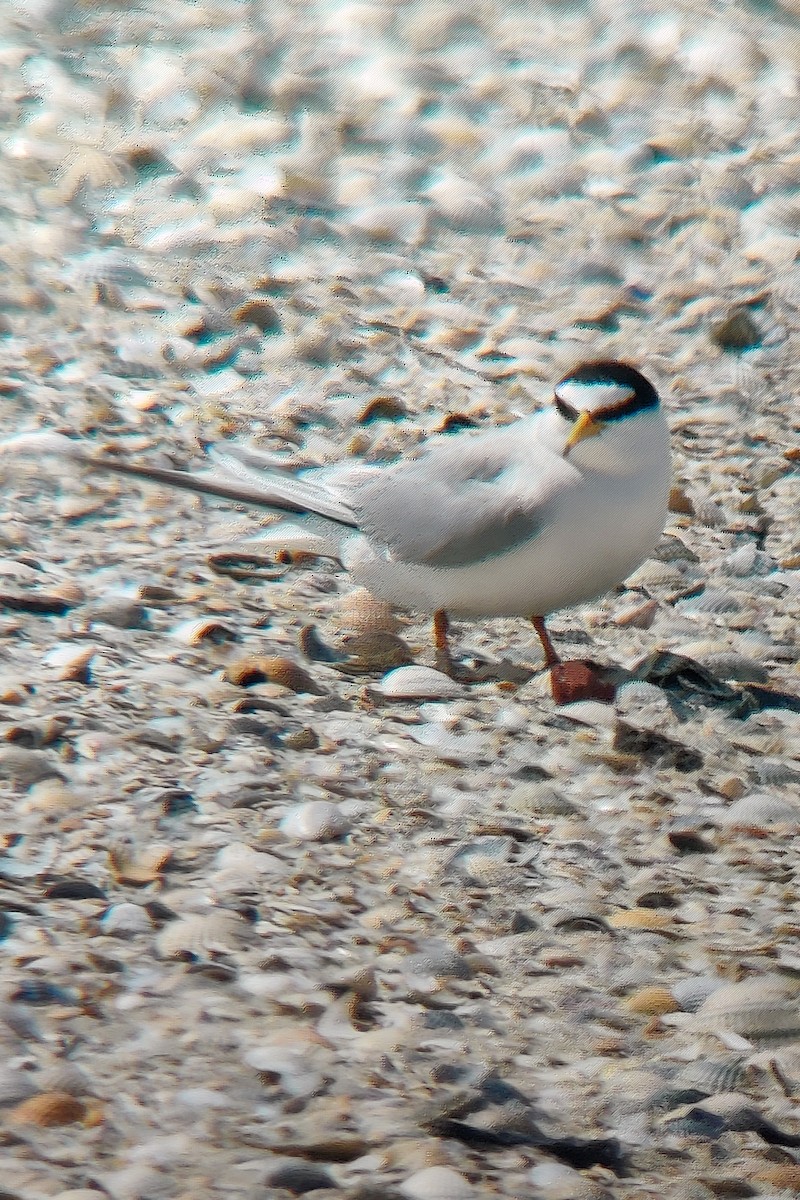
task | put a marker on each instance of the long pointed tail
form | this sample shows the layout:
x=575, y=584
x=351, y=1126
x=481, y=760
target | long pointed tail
x=273, y=494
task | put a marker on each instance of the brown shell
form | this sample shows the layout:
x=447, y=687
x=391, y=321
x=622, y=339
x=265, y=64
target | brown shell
x=48, y=1109
x=260, y=668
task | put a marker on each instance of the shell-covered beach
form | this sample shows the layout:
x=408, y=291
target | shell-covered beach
x=283, y=911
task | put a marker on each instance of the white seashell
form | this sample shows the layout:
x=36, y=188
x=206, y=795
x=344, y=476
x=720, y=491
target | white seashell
x=245, y=132
x=692, y=992
x=437, y=1183
x=238, y=857
x=15, y=1085
x=452, y=747
x=712, y=600
x=654, y=574
x=402, y=220
x=761, y=809
x=721, y=1074
x=200, y=934
x=125, y=920
x=419, y=683
x=760, y=1009
x=748, y=560
x=459, y=199
x=315, y=821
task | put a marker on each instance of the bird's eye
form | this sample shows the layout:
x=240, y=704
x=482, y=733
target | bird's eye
x=565, y=410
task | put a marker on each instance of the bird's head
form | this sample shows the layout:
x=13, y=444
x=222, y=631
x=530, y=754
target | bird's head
x=601, y=400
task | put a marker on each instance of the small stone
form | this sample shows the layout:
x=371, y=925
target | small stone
x=300, y=1178
x=679, y=502
x=738, y=331
x=437, y=1183
x=301, y=739
x=315, y=821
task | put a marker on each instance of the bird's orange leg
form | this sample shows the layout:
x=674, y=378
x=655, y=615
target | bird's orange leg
x=441, y=628
x=574, y=680
x=550, y=656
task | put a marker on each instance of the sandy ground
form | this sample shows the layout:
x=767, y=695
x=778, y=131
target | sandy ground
x=266, y=930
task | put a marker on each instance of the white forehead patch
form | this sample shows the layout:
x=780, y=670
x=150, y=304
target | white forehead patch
x=593, y=395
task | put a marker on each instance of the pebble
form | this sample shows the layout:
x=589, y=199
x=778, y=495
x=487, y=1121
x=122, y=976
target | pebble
x=315, y=821
x=436, y=1183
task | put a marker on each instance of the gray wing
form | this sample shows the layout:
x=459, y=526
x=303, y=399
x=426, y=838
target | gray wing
x=462, y=503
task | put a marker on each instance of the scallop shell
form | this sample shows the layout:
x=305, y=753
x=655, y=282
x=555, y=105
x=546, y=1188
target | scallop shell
x=760, y=810
x=198, y=935
x=652, y=1001
x=764, y=1009
x=361, y=612
x=656, y=575
x=641, y=918
x=712, y=601
x=694, y=991
x=726, y=1073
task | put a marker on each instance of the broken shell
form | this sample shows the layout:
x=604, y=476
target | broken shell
x=761, y=811
x=383, y=408
x=258, y=312
x=722, y=1074
x=258, y=668
x=204, y=629
x=70, y=662
x=139, y=867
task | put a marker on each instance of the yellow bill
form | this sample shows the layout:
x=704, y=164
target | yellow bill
x=585, y=427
